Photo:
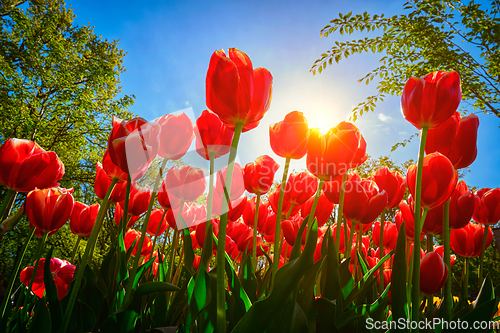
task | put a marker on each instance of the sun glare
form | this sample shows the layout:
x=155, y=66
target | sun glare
x=321, y=122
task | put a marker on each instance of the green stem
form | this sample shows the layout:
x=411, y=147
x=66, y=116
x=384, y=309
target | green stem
x=38, y=254
x=175, y=243
x=348, y=246
x=481, y=258
x=340, y=214
x=381, y=251
x=277, y=234
x=359, y=239
x=221, y=244
x=315, y=203
x=165, y=241
x=13, y=276
x=135, y=266
x=75, y=249
x=255, y=223
x=124, y=220
x=7, y=203
x=157, y=232
x=81, y=268
x=210, y=191
x=415, y=299
x=447, y=261
x=430, y=243
x=465, y=297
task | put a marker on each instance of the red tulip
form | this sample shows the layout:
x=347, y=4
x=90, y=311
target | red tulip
x=360, y=227
x=119, y=215
x=342, y=238
x=138, y=200
x=237, y=183
x=323, y=210
x=212, y=136
x=433, y=273
x=175, y=136
x=363, y=202
x=164, y=200
x=431, y=100
x=102, y=183
x=487, y=206
x=273, y=199
x=134, y=235
x=235, y=210
x=332, y=188
x=365, y=245
x=289, y=137
x=185, y=183
x=332, y=154
x=467, y=241
x=268, y=228
x=113, y=171
x=192, y=214
x=249, y=213
x=462, y=202
x=26, y=166
x=235, y=91
x=61, y=270
x=360, y=155
x=50, y=208
x=200, y=231
x=390, y=235
x=456, y=139
x=83, y=218
x=291, y=228
x=439, y=179
x=155, y=219
x=300, y=187
x=258, y=176
x=433, y=224
x=439, y=249
x=133, y=144
x=392, y=183
x=406, y=214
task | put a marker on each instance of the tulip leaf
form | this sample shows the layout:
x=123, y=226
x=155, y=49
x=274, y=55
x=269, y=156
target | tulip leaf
x=248, y=279
x=41, y=321
x=331, y=288
x=199, y=295
x=91, y=299
x=326, y=310
x=305, y=295
x=298, y=241
x=486, y=293
x=188, y=250
x=154, y=287
x=207, y=251
x=362, y=262
x=54, y=306
x=346, y=278
x=142, y=269
x=398, y=278
x=264, y=284
x=263, y=313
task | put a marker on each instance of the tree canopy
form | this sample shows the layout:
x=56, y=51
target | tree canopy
x=432, y=35
x=59, y=84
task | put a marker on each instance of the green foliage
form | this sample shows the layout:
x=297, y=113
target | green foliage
x=432, y=35
x=59, y=85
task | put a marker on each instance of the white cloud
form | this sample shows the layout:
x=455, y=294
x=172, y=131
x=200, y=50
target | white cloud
x=186, y=103
x=383, y=117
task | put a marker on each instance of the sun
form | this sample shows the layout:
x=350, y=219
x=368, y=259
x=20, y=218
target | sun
x=322, y=122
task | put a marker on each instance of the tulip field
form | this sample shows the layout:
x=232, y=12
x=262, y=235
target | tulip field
x=242, y=250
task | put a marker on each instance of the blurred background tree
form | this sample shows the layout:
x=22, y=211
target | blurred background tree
x=431, y=35
x=60, y=87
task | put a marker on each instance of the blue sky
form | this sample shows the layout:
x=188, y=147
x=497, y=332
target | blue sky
x=169, y=44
